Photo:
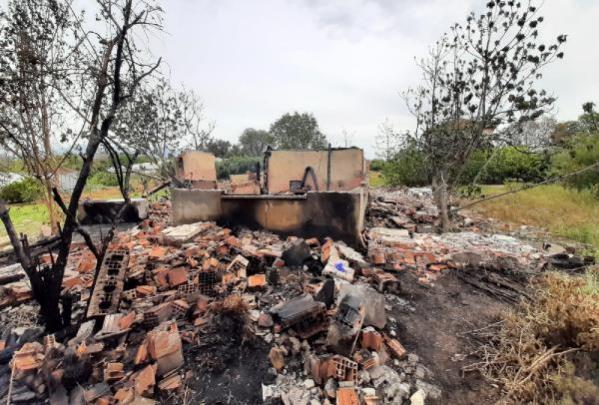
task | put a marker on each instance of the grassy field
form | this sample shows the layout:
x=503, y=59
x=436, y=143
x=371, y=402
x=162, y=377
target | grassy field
x=28, y=218
x=375, y=179
x=563, y=212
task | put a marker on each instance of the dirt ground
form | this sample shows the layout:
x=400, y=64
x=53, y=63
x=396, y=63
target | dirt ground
x=435, y=331
x=227, y=370
x=431, y=322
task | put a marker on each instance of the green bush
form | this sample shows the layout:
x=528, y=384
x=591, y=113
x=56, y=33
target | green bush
x=26, y=190
x=580, y=152
x=103, y=179
x=410, y=168
x=407, y=168
x=376, y=165
x=236, y=165
x=505, y=164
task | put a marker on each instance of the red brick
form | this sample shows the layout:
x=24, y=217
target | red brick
x=396, y=348
x=113, y=372
x=347, y=396
x=437, y=267
x=141, y=356
x=165, y=348
x=257, y=281
x=126, y=321
x=145, y=290
x=157, y=252
x=145, y=380
x=160, y=277
x=372, y=340
x=177, y=276
x=378, y=257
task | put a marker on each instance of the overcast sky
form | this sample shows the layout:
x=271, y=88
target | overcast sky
x=345, y=61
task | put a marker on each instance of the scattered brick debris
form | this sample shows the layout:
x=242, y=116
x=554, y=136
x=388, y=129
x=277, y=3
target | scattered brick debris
x=178, y=304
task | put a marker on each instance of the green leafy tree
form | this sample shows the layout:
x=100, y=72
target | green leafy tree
x=480, y=76
x=580, y=152
x=221, y=148
x=253, y=142
x=589, y=120
x=297, y=131
x=408, y=167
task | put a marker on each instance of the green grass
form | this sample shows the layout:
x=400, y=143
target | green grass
x=27, y=218
x=563, y=212
x=375, y=179
x=592, y=282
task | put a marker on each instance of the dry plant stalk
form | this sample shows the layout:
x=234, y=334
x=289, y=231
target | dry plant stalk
x=527, y=354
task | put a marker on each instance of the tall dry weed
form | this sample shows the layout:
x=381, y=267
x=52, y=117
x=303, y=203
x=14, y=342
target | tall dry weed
x=546, y=350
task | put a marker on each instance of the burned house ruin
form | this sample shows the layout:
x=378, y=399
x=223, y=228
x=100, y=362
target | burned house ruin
x=299, y=192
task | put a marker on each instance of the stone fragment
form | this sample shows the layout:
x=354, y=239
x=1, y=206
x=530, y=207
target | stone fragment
x=418, y=398
x=277, y=358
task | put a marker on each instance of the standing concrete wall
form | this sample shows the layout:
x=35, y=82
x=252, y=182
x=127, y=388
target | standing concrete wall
x=339, y=215
x=197, y=167
x=347, y=169
x=193, y=205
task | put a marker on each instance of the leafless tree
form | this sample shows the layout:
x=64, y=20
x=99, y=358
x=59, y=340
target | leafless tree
x=115, y=70
x=531, y=136
x=160, y=122
x=387, y=141
x=37, y=62
x=479, y=77
x=197, y=126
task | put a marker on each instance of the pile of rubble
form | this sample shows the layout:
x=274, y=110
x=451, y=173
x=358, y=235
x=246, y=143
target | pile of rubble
x=411, y=209
x=175, y=309
x=162, y=292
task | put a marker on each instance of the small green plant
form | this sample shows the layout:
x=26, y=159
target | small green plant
x=103, y=179
x=471, y=191
x=592, y=282
x=26, y=190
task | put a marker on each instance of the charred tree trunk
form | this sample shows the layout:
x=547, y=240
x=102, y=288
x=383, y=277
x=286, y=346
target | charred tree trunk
x=49, y=300
x=441, y=198
x=49, y=202
x=47, y=282
x=43, y=282
x=444, y=208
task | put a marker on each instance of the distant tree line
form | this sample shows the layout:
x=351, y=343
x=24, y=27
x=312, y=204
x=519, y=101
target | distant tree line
x=291, y=131
x=541, y=150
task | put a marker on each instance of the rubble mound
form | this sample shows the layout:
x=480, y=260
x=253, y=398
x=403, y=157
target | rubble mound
x=198, y=313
